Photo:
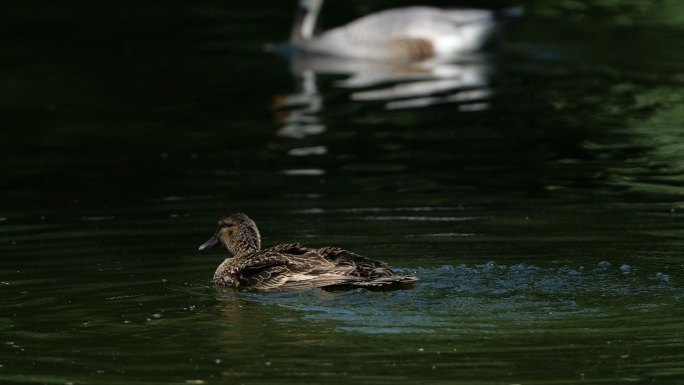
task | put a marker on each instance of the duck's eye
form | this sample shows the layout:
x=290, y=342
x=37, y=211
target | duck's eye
x=226, y=225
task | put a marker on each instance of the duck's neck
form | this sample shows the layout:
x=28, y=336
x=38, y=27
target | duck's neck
x=304, y=24
x=247, y=244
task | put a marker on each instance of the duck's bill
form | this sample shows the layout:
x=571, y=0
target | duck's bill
x=213, y=241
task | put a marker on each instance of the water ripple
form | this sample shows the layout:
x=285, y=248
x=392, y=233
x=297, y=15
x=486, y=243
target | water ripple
x=419, y=218
x=464, y=298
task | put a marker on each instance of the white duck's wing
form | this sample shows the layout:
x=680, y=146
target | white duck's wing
x=411, y=33
x=425, y=22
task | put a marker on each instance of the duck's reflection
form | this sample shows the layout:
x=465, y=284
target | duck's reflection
x=397, y=85
x=298, y=111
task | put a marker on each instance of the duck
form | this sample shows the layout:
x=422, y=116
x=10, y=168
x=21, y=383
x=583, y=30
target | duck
x=414, y=33
x=291, y=266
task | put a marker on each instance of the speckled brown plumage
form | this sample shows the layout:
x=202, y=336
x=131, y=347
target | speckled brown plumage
x=291, y=266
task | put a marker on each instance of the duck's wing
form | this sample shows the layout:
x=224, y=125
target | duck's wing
x=410, y=33
x=272, y=269
x=373, y=273
x=313, y=282
x=263, y=270
x=414, y=21
x=289, y=248
x=363, y=266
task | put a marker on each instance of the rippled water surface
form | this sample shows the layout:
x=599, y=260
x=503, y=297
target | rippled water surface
x=535, y=189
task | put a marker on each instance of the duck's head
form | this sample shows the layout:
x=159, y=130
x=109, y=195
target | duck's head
x=238, y=233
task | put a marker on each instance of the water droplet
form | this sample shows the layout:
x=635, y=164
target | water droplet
x=625, y=268
x=603, y=264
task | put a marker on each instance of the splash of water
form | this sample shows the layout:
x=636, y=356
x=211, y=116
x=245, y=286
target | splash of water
x=488, y=296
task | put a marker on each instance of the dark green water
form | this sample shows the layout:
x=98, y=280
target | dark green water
x=536, y=190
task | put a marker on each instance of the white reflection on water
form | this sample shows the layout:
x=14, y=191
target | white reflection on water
x=319, y=210
x=419, y=218
x=298, y=111
x=306, y=151
x=398, y=85
x=304, y=172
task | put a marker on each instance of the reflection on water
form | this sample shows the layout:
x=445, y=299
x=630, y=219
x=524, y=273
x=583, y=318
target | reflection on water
x=398, y=85
x=298, y=111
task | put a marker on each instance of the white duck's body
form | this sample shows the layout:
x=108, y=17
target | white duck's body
x=409, y=34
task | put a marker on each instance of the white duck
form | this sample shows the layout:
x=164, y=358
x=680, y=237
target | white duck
x=400, y=34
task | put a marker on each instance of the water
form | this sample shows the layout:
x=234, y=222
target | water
x=535, y=190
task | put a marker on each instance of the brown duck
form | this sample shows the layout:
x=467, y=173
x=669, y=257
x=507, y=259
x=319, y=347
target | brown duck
x=291, y=266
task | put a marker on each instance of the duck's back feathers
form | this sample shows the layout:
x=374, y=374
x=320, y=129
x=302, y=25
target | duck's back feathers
x=293, y=266
x=361, y=266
